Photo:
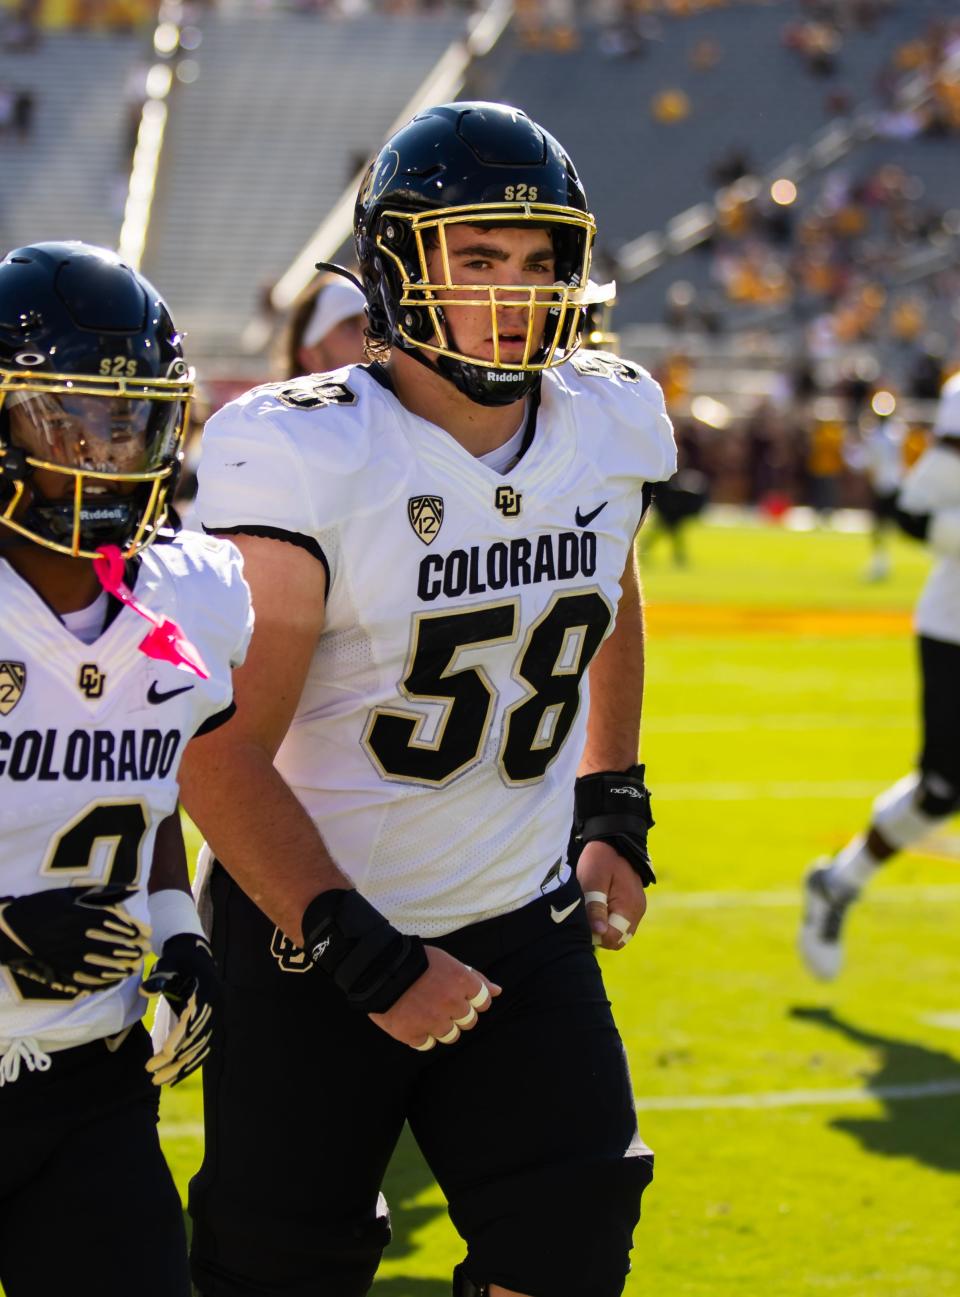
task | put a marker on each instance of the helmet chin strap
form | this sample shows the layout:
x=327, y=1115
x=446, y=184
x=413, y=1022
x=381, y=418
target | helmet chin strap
x=468, y=378
x=13, y=540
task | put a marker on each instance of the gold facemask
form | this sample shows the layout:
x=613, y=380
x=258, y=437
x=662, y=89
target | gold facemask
x=98, y=433
x=553, y=311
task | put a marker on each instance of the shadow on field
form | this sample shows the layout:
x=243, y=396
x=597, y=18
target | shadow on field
x=407, y=1177
x=924, y=1128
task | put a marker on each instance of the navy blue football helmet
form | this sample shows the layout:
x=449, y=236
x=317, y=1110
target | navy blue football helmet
x=479, y=164
x=94, y=399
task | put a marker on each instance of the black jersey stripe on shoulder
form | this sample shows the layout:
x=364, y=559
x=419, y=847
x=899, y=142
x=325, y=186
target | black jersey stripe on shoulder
x=379, y=375
x=216, y=720
x=277, y=533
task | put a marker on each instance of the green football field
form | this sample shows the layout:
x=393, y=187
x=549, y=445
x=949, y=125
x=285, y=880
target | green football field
x=807, y=1138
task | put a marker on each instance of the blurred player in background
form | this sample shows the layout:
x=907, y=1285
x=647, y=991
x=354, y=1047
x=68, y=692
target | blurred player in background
x=324, y=330
x=675, y=503
x=94, y=717
x=928, y=508
x=449, y=627
x=879, y=455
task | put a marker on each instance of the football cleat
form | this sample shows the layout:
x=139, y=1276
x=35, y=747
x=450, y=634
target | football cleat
x=822, y=925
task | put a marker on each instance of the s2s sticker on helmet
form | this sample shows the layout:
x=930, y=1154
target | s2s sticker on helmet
x=118, y=367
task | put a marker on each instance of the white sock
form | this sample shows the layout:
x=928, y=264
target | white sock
x=854, y=866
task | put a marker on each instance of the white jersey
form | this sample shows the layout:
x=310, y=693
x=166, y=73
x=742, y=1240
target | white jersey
x=882, y=452
x=443, y=716
x=934, y=484
x=91, y=737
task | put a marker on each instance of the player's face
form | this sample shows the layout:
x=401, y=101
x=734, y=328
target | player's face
x=98, y=434
x=494, y=255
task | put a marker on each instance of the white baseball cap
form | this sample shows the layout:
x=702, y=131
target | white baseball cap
x=947, y=421
x=335, y=303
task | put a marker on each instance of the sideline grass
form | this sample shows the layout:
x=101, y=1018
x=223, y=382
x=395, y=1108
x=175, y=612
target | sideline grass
x=764, y=748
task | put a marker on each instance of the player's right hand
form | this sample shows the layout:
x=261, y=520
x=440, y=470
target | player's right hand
x=72, y=939
x=444, y=1001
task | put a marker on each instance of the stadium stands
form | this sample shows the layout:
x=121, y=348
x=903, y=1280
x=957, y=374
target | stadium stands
x=753, y=96
x=66, y=177
x=284, y=110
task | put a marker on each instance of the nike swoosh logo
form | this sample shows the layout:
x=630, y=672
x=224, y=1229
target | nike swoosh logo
x=558, y=916
x=584, y=519
x=155, y=696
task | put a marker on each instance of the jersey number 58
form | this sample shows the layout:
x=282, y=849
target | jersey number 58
x=556, y=651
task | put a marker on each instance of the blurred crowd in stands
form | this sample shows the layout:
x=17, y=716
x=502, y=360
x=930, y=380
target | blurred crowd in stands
x=627, y=27
x=22, y=22
x=854, y=256
x=823, y=454
x=855, y=272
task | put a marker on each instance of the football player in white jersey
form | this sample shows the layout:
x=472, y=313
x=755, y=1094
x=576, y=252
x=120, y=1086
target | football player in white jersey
x=928, y=508
x=440, y=550
x=112, y=656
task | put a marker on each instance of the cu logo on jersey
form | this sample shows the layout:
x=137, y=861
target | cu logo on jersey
x=90, y=680
x=507, y=500
x=13, y=679
x=426, y=516
x=290, y=958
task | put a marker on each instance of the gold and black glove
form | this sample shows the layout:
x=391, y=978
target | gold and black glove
x=72, y=939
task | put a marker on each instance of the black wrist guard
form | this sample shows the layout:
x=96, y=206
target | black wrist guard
x=371, y=962
x=614, y=807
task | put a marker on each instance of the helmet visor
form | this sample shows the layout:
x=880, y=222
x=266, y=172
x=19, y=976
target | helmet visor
x=115, y=436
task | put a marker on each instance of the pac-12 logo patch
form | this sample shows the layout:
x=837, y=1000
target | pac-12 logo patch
x=13, y=679
x=426, y=516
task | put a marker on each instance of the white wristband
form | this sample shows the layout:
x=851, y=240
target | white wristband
x=172, y=912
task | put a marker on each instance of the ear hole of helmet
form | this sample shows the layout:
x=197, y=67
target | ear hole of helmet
x=419, y=324
x=396, y=235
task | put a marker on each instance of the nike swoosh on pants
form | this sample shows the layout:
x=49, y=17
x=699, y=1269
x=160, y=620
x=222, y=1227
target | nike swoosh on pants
x=558, y=916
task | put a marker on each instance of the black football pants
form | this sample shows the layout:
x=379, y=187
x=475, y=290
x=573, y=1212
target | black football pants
x=940, y=677
x=527, y=1122
x=87, y=1203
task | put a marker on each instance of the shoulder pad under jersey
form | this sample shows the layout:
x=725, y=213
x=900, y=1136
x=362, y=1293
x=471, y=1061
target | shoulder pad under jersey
x=620, y=403
x=212, y=598
x=283, y=455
